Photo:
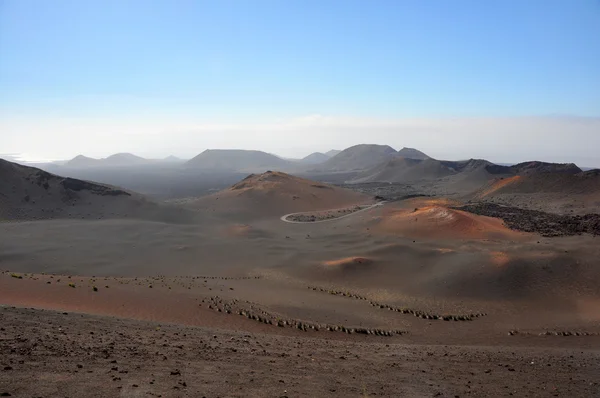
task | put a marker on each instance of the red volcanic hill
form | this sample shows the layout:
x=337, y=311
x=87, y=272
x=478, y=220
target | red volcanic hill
x=436, y=220
x=276, y=194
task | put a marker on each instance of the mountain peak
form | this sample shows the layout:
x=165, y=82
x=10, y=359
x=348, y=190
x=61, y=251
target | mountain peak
x=412, y=153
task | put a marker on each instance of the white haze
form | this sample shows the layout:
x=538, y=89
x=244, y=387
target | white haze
x=509, y=139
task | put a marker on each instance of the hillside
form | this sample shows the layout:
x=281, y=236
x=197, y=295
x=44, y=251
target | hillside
x=315, y=158
x=28, y=193
x=332, y=152
x=464, y=176
x=552, y=187
x=358, y=157
x=535, y=167
x=582, y=183
x=412, y=153
x=273, y=194
x=405, y=170
x=543, y=167
x=236, y=160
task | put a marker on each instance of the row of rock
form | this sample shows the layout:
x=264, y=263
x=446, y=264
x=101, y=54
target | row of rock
x=427, y=315
x=231, y=307
x=553, y=333
x=223, y=278
x=416, y=313
x=338, y=293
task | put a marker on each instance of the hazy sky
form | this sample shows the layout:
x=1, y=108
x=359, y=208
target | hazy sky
x=503, y=80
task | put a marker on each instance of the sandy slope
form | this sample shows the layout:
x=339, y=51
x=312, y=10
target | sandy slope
x=274, y=194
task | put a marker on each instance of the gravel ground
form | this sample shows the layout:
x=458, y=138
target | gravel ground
x=52, y=354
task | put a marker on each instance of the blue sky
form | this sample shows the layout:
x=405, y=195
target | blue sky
x=126, y=63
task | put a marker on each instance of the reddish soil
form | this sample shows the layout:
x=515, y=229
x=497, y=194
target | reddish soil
x=498, y=185
x=444, y=222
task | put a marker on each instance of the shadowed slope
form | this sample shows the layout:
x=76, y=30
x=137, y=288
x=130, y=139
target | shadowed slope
x=27, y=193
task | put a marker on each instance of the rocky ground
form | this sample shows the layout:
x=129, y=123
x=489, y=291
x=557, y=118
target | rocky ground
x=546, y=224
x=48, y=354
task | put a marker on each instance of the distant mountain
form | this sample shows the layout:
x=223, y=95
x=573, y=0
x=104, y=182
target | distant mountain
x=411, y=153
x=237, y=160
x=118, y=159
x=358, y=157
x=83, y=161
x=124, y=159
x=489, y=180
x=173, y=159
x=331, y=153
x=315, y=158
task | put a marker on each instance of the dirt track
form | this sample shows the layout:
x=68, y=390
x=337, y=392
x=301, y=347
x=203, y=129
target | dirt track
x=81, y=355
x=326, y=215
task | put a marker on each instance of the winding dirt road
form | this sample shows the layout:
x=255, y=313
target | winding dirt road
x=285, y=217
